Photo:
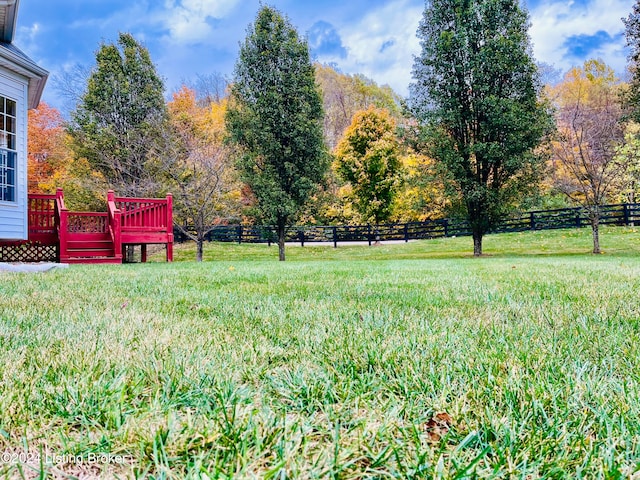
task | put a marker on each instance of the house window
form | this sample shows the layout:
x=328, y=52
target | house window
x=8, y=154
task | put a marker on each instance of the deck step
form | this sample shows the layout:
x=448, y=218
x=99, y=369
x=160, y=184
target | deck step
x=90, y=252
x=92, y=260
x=88, y=237
x=90, y=248
x=89, y=244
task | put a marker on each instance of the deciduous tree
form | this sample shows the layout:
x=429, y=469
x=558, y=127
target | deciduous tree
x=209, y=88
x=368, y=157
x=51, y=163
x=627, y=185
x=47, y=148
x=344, y=95
x=422, y=196
x=476, y=93
x=275, y=117
x=589, y=134
x=195, y=163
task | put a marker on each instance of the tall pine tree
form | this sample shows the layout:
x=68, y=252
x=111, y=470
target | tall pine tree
x=119, y=115
x=275, y=117
x=476, y=93
x=632, y=31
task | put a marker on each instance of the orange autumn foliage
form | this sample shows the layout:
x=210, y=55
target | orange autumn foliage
x=47, y=147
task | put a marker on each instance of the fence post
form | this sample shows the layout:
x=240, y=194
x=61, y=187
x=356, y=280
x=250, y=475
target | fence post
x=532, y=221
x=578, y=219
x=61, y=224
x=369, y=234
x=239, y=230
x=169, y=211
x=626, y=214
x=406, y=232
x=301, y=237
x=114, y=221
x=446, y=227
x=335, y=237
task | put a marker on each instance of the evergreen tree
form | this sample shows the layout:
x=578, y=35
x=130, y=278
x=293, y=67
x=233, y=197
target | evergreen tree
x=476, y=93
x=275, y=117
x=632, y=31
x=120, y=114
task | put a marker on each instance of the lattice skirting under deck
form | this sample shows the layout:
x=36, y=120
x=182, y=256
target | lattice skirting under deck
x=28, y=252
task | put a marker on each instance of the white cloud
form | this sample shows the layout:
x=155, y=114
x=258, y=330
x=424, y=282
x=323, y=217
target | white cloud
x=188, y=20
x=553, y=23
x=28, y=38
x=381, y=45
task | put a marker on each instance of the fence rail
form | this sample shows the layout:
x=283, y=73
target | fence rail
x=619, y=214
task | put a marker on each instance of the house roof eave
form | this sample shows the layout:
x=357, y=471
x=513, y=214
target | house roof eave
x=14, y=60
x=8, y=27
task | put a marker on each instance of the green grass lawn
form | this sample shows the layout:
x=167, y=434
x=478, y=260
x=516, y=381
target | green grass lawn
x=397, y=361
x=615, y=241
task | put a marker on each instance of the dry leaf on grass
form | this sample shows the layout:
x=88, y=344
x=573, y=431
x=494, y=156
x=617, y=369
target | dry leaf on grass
x=438, y=426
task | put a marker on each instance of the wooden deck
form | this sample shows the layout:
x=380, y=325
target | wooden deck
x=94, y=237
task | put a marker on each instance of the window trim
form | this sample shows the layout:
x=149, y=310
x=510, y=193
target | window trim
x=5, y=143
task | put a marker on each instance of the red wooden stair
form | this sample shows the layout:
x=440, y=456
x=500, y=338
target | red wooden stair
x=92, y=248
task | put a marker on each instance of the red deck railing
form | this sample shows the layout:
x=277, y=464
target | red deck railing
x=42, y=219
x=62, y=215
x=145, y=213
x=115, y=223
x=146, y=221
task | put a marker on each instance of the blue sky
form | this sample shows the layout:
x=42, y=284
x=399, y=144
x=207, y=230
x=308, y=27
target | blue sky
x=372, y=37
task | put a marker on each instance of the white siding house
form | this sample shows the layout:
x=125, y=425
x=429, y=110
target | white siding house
x=21, y=85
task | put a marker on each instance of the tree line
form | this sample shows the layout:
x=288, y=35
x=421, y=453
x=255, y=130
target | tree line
x=286, y=140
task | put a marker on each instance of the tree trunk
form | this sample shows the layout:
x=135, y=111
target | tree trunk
x=595, y=223
x=281, y=234
x=477, y=217
x=199, y=249
x=477, y=244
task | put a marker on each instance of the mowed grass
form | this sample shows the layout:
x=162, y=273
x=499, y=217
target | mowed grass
x=558, y=243
x=398, y=361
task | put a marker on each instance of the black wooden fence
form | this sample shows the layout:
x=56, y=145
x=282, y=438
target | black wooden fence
x=620, y=214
